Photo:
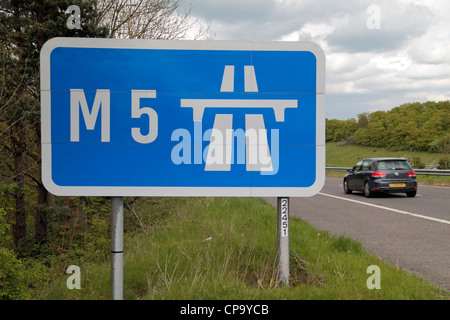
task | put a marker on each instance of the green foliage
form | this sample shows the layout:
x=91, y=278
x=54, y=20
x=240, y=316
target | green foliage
x=411, y=126
x=24, y=28
x=5, y=236
x=79, y=232
x=347, y=129
x=338, y=130
x=98, y=243
x=441, y=144
x=416, y=162
x=11, y=268
x=18, y=277
x=444, y=163
x=12, y=275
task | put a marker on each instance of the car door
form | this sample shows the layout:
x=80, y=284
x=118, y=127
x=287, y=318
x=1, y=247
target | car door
x=357, y=185
x=363, y=173
x=352, y=176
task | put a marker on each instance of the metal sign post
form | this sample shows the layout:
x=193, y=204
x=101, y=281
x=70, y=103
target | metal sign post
x=117, y=248
x=283, y=240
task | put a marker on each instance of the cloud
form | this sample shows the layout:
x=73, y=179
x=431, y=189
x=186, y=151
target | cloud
x=398, y=24
x=379, y=54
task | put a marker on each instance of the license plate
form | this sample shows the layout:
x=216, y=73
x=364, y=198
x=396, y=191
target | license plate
x=396, y=185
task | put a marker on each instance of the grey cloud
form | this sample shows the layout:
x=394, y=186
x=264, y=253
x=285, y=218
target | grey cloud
x=399, y=24
x=356, y=81
x=269, y=19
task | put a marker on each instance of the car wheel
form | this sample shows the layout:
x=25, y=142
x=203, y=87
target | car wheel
x=346, y=188
x=411, y=194
x=367, y=192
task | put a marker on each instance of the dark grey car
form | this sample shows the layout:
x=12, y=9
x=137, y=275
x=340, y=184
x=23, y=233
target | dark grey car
x=381, y=175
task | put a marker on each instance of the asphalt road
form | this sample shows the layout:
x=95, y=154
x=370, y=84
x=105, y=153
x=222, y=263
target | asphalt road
x=413, y=233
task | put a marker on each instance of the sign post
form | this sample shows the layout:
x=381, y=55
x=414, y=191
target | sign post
x=182, y=118
x=117, y=248
x=283, y=240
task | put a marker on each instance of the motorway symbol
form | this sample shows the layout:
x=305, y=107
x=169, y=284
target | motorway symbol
x=257, y=148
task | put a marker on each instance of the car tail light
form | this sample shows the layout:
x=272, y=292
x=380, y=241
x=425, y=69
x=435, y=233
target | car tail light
x=411, y=174
x=377, y=174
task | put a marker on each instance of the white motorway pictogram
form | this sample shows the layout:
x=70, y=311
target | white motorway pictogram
x=258, y=157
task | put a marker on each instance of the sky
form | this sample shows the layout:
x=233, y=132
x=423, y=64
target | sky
x=379, y=54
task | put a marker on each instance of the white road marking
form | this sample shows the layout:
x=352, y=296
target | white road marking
x=387, y=208
x=434, y=186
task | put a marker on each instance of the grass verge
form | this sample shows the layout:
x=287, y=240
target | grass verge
x=225, y=248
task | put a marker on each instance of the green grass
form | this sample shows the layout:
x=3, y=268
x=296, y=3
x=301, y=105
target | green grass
x=225, y=248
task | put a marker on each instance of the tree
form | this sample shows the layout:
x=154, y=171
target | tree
x=346, y=130
x=430, y=131
x=149, y=19
x=441, y=144
x=363, y=120
x=331, y=127
x=25, y=27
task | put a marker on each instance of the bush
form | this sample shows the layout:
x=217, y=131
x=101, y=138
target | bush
x=12, y=279
x=416, y=162
x=17, y=276
x=444, y=163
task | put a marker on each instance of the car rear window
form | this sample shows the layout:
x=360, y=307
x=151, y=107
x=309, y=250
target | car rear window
x=393, y=165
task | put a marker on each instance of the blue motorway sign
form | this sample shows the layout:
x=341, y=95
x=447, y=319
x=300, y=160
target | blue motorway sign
x=182, y=118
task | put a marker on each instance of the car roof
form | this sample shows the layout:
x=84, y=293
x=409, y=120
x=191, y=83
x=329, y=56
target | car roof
x=384, y=158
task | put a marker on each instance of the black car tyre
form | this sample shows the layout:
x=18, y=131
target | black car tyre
x=367, y=192
x=347, y=190
x=411, y=194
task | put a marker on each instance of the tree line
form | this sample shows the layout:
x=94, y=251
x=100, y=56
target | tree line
x=410, y=127
x=29, y=214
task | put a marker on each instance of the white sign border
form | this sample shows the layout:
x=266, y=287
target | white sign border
x=124, y=191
